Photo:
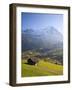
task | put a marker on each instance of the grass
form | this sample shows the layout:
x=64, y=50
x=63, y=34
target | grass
x=41, y=69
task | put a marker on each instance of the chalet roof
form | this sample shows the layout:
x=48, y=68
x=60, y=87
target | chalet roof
x=34, y=59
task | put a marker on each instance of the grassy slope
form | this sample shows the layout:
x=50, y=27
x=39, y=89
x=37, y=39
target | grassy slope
x=41, y=69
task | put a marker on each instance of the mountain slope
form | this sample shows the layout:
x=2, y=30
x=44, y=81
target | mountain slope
x=48, y=38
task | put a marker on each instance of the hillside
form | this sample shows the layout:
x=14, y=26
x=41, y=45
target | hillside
x=41, y=69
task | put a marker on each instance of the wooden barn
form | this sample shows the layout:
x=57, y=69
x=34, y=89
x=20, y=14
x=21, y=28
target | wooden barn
x=32, y=61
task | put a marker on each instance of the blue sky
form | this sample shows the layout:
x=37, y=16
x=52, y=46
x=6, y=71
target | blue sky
x=40, y=21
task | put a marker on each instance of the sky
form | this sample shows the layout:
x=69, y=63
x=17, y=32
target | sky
x=40, y=21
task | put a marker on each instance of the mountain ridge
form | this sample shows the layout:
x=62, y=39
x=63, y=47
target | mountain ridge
x=43, y=38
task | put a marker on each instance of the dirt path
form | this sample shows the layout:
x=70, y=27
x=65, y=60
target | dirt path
x=55, y=72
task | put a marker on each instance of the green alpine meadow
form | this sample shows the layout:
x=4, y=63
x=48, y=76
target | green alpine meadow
x=43, y=68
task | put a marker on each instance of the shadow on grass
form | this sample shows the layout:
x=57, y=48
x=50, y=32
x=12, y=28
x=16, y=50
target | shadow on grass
x=29, y=64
